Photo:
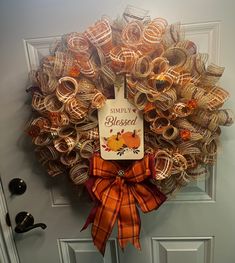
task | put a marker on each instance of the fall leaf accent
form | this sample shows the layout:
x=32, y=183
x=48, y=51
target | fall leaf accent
x=74, y=72
x=185, y=134
x=192, y=104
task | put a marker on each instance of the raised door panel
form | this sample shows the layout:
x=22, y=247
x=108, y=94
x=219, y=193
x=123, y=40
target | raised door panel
x=83, y=251
x=182, y=250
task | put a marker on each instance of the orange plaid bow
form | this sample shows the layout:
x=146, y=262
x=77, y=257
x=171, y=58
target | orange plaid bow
x=118, y=191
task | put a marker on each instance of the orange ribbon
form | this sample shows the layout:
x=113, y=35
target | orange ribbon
x=118, y=191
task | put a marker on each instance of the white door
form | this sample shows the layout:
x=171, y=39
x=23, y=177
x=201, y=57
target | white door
x=196, y=227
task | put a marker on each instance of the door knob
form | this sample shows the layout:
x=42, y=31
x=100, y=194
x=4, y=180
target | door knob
x=25, y=223
x=17, y=186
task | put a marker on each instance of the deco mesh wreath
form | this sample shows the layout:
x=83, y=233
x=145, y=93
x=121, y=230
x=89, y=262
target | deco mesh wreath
x=166, y=79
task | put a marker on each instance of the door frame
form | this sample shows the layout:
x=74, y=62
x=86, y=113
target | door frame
x=8, y=251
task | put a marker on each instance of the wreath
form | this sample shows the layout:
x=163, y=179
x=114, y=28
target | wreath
x=166, y=79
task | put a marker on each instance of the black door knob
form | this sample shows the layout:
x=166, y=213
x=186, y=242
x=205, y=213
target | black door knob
x=17, y=186
x=25, y=223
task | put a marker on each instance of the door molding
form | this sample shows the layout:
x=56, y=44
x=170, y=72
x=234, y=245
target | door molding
x=8, y=251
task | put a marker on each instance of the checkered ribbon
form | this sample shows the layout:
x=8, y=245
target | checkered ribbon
x=118, y=191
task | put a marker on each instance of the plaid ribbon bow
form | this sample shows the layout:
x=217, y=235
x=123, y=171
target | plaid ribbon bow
x=118, y=191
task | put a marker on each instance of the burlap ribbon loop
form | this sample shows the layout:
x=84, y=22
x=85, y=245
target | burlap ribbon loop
x=67, y=89
x=100, y=35
x=163, y=165
x=79, y=45
x=38, y=102
x=79, y=173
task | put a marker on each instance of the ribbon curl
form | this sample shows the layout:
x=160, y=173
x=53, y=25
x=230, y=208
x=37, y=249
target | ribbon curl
x=117, y=192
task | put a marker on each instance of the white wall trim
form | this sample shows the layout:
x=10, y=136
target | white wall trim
x=8, y=251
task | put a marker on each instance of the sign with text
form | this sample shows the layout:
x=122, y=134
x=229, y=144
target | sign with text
x=120, y=127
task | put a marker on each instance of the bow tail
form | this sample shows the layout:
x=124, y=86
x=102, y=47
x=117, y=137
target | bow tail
x=147, y=196
x=128, y=220
x=106, y=215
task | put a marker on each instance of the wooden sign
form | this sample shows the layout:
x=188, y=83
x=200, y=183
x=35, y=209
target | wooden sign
x=121, y=127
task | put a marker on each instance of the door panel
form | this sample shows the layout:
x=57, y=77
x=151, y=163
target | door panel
x=194, y=226
x=83, y=250
x=182, y=249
